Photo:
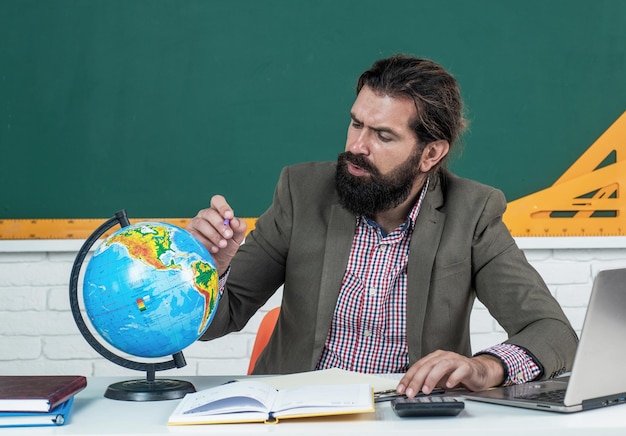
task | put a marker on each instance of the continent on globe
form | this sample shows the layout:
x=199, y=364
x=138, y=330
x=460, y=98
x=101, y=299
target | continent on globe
x=151, y=289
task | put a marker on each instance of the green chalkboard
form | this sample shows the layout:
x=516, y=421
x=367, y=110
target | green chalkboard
x=156, y=105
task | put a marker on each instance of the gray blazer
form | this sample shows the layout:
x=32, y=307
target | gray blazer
x=460, y=250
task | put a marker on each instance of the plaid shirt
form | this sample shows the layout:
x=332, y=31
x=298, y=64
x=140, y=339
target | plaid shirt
x=368, y=330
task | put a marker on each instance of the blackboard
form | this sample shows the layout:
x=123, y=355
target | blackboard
x=156, y=105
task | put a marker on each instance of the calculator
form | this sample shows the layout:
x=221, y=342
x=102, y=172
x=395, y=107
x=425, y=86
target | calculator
x=427, y=406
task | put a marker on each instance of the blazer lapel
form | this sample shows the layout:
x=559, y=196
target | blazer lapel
x=423, y=248
x=338, y=244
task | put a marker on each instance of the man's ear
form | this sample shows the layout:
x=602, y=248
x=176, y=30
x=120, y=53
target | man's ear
x=433, y=153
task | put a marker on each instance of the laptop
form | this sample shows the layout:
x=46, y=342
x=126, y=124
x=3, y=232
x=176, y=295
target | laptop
x=597, y=377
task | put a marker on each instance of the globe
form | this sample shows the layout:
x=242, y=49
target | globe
x=150, y=289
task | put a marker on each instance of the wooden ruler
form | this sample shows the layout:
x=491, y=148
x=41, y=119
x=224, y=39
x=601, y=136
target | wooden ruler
x=47, y=228
x=587, y=200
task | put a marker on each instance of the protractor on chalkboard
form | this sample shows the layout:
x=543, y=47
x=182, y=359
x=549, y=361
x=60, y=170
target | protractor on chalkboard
x=587, y=200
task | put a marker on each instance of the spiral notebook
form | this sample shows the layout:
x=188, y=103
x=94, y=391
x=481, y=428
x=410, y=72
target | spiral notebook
x=596, y=379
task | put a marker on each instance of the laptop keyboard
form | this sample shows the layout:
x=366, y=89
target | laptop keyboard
x=551, y=396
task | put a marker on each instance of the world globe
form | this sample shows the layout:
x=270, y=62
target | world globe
x=150, y=289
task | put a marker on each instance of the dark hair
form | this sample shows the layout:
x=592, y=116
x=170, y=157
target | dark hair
x=434, y=91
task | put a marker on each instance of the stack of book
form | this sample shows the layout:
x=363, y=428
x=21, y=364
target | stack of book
x=27, y=400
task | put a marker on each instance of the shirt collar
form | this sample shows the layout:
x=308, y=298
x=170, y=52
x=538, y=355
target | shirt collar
x=410, y=221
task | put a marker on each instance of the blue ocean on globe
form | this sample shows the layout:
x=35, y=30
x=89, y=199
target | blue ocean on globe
x=150, y=289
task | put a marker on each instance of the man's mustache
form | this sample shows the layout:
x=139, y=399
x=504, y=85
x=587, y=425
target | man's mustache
x=359, y=161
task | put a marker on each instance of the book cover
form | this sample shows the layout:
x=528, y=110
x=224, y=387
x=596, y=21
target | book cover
x=252, y=401
x=57, y=416
x=37, y=393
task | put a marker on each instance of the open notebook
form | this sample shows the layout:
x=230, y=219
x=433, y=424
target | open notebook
x=597, y=377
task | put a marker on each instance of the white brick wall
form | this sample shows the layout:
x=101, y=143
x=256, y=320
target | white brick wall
x=38, y=334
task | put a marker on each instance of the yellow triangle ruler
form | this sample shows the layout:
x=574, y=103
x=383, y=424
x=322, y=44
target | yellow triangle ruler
x=47, y=228
x=587, y=200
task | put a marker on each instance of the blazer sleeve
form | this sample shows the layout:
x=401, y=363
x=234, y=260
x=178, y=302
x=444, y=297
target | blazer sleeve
x=258, y=268
x=516, y=295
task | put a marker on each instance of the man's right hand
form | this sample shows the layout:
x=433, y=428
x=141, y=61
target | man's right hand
x=219, y=231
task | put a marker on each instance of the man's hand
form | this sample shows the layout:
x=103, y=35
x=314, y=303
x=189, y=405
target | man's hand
x=448, y=370
x=219, y=231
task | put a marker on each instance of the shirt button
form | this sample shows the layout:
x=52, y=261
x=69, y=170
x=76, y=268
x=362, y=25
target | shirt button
x=383, y=247
x=372, y=291
x=367, y=333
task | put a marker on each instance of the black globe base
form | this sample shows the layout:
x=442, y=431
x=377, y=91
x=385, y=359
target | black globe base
x=146, y=390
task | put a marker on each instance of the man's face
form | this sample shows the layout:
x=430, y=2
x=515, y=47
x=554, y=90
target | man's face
x=379, y=169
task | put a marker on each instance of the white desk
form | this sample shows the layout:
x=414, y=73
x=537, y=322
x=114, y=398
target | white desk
x=92, y=414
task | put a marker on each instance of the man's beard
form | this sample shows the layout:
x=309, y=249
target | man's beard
x=370, y=195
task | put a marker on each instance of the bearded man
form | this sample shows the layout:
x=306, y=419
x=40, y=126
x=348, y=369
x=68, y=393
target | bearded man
x=382, y=253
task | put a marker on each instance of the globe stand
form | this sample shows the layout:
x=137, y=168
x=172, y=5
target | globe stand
x=150, y=388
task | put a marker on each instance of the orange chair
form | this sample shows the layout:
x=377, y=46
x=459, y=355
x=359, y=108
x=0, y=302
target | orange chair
x=263, y=336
